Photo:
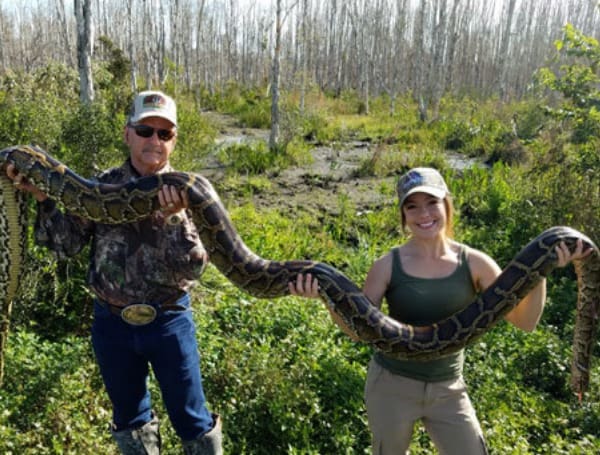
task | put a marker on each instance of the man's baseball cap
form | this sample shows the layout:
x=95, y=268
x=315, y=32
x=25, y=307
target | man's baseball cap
x=153, y=104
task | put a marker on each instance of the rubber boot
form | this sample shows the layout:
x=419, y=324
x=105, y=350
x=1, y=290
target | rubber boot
x=144, y=440
x=209, y=443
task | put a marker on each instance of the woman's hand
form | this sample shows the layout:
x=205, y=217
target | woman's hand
x=565, y=256
x=305, y=286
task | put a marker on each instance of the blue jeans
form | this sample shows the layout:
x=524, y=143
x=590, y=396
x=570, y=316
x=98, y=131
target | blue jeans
x=124, y=353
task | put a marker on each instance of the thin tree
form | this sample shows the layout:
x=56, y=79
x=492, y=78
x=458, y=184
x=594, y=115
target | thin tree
x=452, y=37
x=304, y=53
x=276, y=75
x=131, y=47
x=85, y=40
x=64, y=31
x=420, y=62
x=439, y=42
x=275, y=78
x=3, y=38
x=503, y=53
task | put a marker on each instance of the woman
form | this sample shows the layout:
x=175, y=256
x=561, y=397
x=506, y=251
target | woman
x=424, y=280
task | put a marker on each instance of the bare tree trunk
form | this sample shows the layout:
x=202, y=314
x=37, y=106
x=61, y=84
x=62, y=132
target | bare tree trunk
x=274, y=136
x=420, y=60
x=198, y=53
x=502, y=70
x=176, y=36
x=131, y=47
x=437, y=87
x=453, y=35
x=64, y=30
x=385, y=72
x=231, y=32
x=3, y=59
x=161, y=45
x=331, y=36
x=304, y=56
x=359, y=22
x=341, y=54
x=102, y=14
x=369, y=27
x=85, y=41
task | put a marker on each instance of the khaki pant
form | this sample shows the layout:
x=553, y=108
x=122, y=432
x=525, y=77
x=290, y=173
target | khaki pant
x=395, y=403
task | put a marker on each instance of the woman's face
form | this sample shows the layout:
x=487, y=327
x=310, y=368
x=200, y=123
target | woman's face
x=425, y=215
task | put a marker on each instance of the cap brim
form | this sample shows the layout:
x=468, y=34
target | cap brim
x=145, y=115
x=434, y=191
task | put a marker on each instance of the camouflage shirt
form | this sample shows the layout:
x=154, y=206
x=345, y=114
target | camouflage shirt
x=145, y=261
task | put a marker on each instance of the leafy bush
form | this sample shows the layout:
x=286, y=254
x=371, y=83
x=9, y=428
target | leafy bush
x=283, y=376
x=248, y=158
x=256, y=158
x=250, y=106
x=52, y=398
x=456, y=134
x=92, y=140
x=195, y=137
x=34, y=106
x=577, y=79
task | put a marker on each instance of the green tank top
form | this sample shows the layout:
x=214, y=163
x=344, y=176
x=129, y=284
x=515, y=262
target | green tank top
x=423, y=301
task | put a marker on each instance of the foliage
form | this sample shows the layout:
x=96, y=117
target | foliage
x=578, y=81
x=488, y=130
x=289, y=373
x=389, y=160
x=34, y=106
x=195, y=137
x=91, y=139
x=256, y=158
x=58, y=387
x=53, y=300
x=250, y=105
x=284, y=377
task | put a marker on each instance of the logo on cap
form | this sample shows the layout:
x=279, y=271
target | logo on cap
x=154, y=100
x=412, y=179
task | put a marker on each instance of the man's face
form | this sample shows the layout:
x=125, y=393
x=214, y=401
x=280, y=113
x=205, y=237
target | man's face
x=150, y=154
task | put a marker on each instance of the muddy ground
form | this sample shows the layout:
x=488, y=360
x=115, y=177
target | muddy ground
x=317, y=186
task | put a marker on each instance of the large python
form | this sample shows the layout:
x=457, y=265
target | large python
x=260, y=277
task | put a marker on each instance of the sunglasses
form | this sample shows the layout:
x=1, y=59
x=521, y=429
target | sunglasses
x=148, y=131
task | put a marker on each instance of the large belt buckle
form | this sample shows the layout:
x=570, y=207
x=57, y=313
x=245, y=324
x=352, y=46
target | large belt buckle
x=138, y=314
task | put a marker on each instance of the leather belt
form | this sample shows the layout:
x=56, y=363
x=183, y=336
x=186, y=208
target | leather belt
x=143, y=313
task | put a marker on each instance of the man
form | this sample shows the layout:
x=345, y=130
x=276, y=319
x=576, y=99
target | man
x=141, y=274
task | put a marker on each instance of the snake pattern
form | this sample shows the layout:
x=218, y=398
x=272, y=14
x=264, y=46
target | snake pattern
x=13, y=237
x=260, y=277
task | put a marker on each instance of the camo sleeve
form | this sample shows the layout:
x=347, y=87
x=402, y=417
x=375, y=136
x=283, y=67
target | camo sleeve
x=62, y=233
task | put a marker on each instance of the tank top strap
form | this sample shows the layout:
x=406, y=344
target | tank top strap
x=462, y=254
x=396, y=262
x=463, y=263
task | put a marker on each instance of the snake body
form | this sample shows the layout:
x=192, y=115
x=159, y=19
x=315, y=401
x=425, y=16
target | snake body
x=268, y=278
x=13, y=236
